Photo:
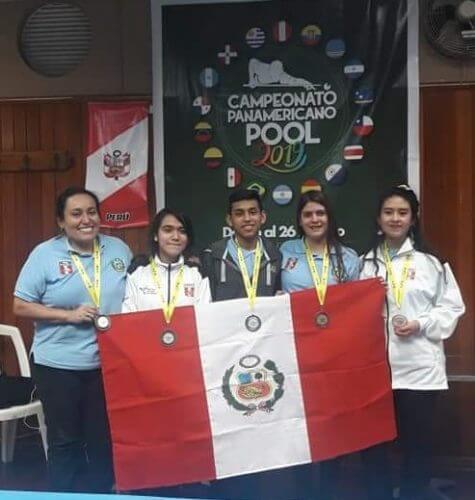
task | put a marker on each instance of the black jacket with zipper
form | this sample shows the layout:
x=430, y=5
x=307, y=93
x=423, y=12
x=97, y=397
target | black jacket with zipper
x=225, y=277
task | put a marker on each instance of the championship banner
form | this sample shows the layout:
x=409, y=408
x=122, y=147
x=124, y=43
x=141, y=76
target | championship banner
x=285, y=97
x=194, y=400
x=117, y=160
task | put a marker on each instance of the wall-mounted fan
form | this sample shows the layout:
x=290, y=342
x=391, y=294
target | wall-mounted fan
x=449, y=26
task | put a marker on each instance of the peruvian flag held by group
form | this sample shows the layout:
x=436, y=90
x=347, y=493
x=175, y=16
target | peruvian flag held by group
x=207, y=398
x=117, y=160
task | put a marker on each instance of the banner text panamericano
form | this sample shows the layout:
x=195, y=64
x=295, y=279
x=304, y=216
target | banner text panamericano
x=298, y=109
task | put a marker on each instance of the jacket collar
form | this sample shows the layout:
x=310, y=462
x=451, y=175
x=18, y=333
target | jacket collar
x=173, y=265
x=70, y=249
x=271, y=252
x=405, y=248
x=232, y=241
x=300, y=248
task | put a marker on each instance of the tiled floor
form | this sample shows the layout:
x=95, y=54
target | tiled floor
x=28, y=472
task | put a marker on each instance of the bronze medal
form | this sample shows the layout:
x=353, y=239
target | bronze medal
x=322, y=319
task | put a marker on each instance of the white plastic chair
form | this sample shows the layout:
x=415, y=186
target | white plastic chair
x=9, y=416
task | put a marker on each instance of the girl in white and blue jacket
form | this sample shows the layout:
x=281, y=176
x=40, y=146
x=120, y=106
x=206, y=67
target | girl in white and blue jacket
x=423, y=305
x=165, y=274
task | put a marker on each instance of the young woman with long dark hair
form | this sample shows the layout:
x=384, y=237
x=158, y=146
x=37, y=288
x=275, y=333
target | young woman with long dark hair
x=315, y=260
x=64, y=284
x=164, y=278
x=319, y=240
x=423, y=305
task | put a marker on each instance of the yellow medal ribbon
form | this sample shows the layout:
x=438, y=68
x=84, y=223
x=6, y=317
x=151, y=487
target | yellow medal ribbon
x=320, y=282
x=397, y=288
x=167, y=307
x=251, y=288
x=94, y=290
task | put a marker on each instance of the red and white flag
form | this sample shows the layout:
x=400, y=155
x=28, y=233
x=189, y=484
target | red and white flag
x=117, y=160
x=233, y=177
x=196, y=399
x=355, y=152
x=281, y=31
x=363, y=126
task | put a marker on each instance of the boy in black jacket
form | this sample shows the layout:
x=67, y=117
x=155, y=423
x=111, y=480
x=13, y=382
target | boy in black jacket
x=221, y=263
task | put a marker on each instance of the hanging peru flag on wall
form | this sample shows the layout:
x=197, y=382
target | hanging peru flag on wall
x=224, y=391
x=117, y=160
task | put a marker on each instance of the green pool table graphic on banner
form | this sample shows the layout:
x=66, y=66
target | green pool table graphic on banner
x=285, y=97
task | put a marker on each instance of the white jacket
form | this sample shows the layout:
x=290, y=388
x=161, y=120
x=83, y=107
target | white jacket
x=141, y=291
x=432, y=297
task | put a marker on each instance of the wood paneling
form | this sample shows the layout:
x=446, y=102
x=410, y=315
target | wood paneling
x=447, y=161
x=27, y=198
x=448, y=125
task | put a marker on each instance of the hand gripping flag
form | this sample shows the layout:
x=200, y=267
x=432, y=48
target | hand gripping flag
x=117, y=161
x=217, y=393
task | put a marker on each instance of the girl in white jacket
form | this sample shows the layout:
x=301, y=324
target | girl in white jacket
x=164, y=278
x=423, y=305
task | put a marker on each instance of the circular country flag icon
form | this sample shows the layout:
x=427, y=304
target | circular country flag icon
x=227, y=55
x=282, y=194
x=281, y=31
x=203, y=132
x=353, y=69
x=209, y=77
x=335, y=48
x=310, y=185
x=335, y=174
x=354, y=152
x=213, y=157
x=363, y=95
x=256, y=186
x=311, y=35
x=255, y=38
x=363, y=126
x=201, y=103
x=233, y=177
